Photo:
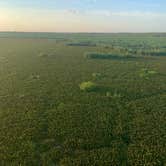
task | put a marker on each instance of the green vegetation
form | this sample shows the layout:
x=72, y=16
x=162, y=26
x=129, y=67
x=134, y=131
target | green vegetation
x=97, y=76
x=83, y=44
x=114, y=95
x=88, y=86
x=106, y=56
x=147, y=73
x=43, y=55
x=50, y=115
x=46, y=55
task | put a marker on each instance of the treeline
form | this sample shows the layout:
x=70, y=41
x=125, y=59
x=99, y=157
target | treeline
x=84, y=44
x=95, y=55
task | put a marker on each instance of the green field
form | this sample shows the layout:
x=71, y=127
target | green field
x=62, y=106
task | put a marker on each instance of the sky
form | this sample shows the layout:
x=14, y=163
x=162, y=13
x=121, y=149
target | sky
x=83, y=15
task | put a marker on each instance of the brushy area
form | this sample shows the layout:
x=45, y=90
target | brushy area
x=45, y=119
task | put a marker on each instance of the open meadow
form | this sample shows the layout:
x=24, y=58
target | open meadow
x=82, y=99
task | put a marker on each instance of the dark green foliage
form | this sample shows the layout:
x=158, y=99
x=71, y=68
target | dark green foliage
x=83, y=44
x=46, y=120
x=106, y=56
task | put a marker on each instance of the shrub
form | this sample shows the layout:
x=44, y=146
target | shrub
x=34, y=77
x=97, y=75
x=152, y=72
x=87, y=86
x=114, y=95
x=108, y=94
x=146, y=73
x=117, y=95
x=43, y=55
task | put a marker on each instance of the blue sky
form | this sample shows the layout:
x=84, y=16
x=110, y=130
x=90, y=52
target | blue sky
x=84, y=15
x=116, y=5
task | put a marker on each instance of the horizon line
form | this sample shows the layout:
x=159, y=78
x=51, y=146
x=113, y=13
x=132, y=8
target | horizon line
x=76, y=32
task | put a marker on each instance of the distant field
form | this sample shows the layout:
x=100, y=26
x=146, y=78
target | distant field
x=59, y=107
